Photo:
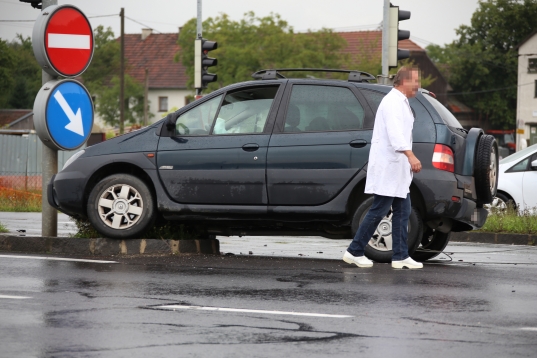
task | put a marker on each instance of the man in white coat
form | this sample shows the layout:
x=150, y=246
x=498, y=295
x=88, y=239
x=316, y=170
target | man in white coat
x=389, y=172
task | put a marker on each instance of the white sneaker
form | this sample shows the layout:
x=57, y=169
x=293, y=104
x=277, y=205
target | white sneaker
x=408, y=263
x=360, y=261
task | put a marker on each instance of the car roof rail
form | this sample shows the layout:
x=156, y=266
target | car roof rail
x=273, y=74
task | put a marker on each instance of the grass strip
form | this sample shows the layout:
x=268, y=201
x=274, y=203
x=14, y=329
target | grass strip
x=19, y=201
x=511, y=221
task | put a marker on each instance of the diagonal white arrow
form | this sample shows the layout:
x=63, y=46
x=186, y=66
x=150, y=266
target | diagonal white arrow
x=75, y=120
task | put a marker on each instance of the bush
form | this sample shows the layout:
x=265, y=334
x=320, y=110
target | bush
x=165, y=230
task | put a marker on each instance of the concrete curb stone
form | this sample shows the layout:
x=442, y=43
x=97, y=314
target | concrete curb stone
x=494, y=238
x=105, y=247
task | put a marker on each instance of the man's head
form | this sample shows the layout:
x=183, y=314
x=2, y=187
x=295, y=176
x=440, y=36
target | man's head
x=407, y=80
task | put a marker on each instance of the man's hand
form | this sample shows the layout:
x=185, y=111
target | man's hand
x=415, y=163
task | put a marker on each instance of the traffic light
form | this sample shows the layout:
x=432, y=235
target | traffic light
x=202, y=62
x=394, y=53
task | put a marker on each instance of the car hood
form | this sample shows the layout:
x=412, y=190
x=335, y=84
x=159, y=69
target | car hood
x=142, y=140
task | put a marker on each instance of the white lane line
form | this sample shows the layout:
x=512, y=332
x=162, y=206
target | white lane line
x=81, y=42
x=223, y=309
x=14, y=297
x=529, y=329
x=58, y=259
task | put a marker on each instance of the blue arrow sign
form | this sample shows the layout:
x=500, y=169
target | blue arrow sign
x=69, y=115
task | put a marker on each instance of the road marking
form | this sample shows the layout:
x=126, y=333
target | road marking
x=79, y=42
x=528, y=329
x=223, y=309
x=15, y=297
x=57, y=259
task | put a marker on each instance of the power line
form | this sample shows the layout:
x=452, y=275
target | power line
x=17, y=20
x=487, y=91
x=138, y=22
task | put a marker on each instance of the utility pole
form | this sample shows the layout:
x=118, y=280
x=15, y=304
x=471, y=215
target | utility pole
x=199, y=37
x=385, y=43
x=49, y=167
x=122, y=75
x=146, y=91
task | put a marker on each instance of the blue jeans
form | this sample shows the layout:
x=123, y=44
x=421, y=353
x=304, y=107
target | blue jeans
x=379, y=209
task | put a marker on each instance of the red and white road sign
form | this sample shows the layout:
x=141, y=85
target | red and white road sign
x=66, y=38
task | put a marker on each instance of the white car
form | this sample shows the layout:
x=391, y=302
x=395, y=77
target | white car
x=517, y=180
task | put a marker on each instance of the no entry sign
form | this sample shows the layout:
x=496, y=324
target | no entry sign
x=62, y=41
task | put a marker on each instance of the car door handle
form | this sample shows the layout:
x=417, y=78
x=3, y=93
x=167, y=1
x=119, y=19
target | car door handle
x=251, y=147
x=358, y=143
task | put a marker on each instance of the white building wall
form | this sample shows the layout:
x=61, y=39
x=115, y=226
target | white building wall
x=176, y=99
x=526, y=101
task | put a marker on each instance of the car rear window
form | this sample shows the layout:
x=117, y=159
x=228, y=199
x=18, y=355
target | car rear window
x=446, y=115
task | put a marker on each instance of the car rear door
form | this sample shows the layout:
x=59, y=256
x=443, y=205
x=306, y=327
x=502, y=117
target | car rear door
x=217, y=154
x=321, y=140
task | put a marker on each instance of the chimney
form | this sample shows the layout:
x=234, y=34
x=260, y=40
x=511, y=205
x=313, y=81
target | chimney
x=146, y=33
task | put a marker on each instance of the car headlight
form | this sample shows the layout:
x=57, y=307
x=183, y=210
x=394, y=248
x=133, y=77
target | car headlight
x=73, y=158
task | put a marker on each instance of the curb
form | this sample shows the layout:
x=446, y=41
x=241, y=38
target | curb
x=494, y=238
x=105, y=247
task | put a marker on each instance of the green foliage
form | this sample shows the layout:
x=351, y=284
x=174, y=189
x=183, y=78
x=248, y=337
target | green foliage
x=20, y=75
x=511, y=221
x=165, y=230
x=102, y=80
x=3, y=229
x=255, y=43
x=484, y=58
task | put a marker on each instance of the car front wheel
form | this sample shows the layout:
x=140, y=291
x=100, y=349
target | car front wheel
x=121, y=206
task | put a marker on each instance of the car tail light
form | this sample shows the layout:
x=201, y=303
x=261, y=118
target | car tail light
x=511, y=145
x=443, y=158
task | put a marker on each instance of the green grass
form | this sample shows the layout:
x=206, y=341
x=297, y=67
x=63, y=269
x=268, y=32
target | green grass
x=3, y=228
x=19, y=201
x=512, y=222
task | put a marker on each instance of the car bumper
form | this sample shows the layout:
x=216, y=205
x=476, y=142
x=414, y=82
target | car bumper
x=65, y=192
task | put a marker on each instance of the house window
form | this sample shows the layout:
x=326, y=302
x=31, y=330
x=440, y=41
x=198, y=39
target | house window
x=532, y=65
x=163, y=104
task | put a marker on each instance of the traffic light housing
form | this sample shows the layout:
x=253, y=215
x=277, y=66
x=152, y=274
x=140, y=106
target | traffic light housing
x=394, y=53
x=201, y=62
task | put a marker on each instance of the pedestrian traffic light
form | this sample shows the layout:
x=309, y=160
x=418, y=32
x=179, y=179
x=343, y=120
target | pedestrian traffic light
x=202, y=62
x=394, y=53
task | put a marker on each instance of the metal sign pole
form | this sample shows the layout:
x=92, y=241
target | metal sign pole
x=385, y=41
x=199, y=32
x=49, y=215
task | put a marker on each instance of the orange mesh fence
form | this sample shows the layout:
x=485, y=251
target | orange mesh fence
x=21, y=182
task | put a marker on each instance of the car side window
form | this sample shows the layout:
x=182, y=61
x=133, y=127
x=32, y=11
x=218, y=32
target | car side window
x=374, y=98
x=245, y=111
x=323, y=108
x=198, y=120
x=521, y=166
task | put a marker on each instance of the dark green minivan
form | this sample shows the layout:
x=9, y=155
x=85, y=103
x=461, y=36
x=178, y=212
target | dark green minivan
x=281, y=156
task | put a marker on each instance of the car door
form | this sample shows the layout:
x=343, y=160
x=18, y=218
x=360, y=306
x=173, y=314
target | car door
x=321, y=140
x=529, y=185
x=217, y=153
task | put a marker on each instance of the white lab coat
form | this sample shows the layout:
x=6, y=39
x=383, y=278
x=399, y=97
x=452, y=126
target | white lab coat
x=388, y=172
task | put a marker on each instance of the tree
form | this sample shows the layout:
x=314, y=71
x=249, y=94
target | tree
x=7, y=63
x=21, y=80
x=255, y=43
x=481, y=65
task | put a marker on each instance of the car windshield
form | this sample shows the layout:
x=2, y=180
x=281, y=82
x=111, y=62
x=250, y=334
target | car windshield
x=446, y=115
x=519, y=155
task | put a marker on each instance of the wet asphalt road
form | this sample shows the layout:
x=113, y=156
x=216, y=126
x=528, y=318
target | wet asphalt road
x=482, y=306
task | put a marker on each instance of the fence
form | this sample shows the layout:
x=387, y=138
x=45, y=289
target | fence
x=20, y=161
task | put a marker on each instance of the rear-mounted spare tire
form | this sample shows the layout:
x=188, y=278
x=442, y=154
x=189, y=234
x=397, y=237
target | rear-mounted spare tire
x=486, y=169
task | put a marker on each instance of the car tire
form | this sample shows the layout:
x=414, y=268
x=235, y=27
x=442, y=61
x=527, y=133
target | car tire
x=486, y=169
x=501, y=203
x=432, y=245
x=121, y=206
x=374, y=250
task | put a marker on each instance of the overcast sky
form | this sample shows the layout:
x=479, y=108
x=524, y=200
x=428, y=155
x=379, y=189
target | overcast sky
x=432, y=21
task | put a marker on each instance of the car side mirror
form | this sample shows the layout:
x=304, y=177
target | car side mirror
x=170, y=120
x=534, y=165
